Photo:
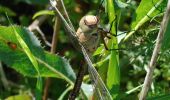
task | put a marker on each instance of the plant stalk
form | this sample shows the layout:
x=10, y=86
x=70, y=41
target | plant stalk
x=53, y=50
x=151, y=66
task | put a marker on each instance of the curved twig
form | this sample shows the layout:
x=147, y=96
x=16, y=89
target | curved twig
x=35, y=26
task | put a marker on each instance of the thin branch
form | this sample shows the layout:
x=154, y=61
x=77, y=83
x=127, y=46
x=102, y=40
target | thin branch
x=55, y=34
x=53, y=50
x=35, y=26
x=36, y=23
x=43, y=37
x=151, y=66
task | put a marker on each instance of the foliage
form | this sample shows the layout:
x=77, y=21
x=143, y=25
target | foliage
x=140, y=20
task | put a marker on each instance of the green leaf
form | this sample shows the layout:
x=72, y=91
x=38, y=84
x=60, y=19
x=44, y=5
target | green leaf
x=166, y=42
x=43, y=12
x=141, y=13
x=99, y=50
x=12, y=54
x=145, y=11
x=32, y=59
x=113, y=71
x=20, y=97
x=163, y=97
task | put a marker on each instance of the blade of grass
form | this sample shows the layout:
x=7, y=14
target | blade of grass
x=113, y=74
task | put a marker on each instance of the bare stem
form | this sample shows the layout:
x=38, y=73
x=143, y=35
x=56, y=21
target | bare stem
x=37, y=23
x=53, y=49
x=151, y=66
x=55, y=34
x=43, y=37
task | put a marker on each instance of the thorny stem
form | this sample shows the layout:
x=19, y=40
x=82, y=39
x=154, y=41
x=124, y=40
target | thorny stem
x=151, y=66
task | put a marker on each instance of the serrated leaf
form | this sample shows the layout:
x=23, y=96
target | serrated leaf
x=43, y=12
x=50, y=65
x=32, y=59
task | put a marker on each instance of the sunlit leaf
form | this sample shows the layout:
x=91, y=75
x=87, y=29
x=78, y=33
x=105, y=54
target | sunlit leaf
x=43, y=12
x=20, y=97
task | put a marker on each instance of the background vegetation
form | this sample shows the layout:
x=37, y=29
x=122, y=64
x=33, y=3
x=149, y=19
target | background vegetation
x=18, y=74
